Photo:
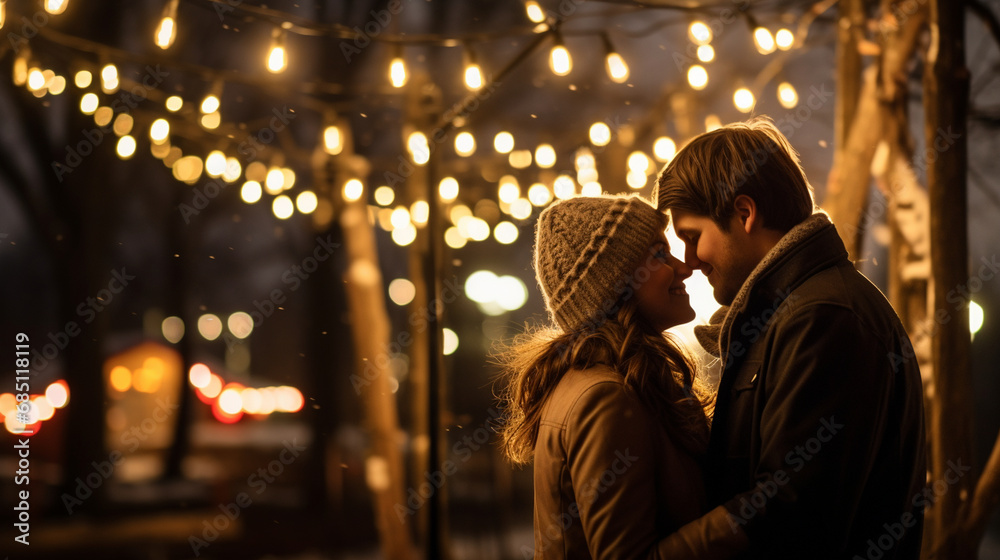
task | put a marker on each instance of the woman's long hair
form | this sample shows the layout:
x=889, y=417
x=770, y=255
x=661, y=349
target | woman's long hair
x=657, y=369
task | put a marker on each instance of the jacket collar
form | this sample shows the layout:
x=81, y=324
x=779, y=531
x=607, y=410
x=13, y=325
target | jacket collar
x=807, y=248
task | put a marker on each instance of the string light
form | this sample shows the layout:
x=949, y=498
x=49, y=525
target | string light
x=503, y=142
x=639, y=162
x=664, y=149
x=353, y=190
x=535, y=13
x=697, y=77
x=83, y=79
x=545, y=156
x=465, y=144
x=614, y=63
x=166, y=32
x=283, y=207
x=560, y=61
x=448, y=188
x=600, y=134
x=397, y=70
x=473, y=74
x=706, y=53
x=564, y=187
x=89, y=103
x=787, y=95
x=764, y=41
x=36, y=80
x=509, y=190
x=420, y=152
x=210, y=104
x=126, y=147
x=251, y=192
x=174, y=103
x=539, y=195
x=306, y=202
x=700, y=33
x=743, y=99
x=384, y=195
x=55, y=7
x=333, y=141
x=215, y=163
x=109, y=78
x=3, y=12
x=20, y=70
x=784, y=39
x=277, y=57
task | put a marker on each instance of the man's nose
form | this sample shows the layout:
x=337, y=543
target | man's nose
x=691, y=258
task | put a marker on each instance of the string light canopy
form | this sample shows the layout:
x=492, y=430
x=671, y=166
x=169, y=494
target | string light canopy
x=165, y=128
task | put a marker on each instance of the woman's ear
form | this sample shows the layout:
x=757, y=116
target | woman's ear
x=746, y=211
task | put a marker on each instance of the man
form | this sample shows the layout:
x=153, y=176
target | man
x=817, y=445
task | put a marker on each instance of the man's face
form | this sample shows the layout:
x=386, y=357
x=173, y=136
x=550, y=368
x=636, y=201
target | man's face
x=722, y=256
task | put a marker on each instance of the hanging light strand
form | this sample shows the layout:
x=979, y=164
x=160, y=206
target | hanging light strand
x=166, y=32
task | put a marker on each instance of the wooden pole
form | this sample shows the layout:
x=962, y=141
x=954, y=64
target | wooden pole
x=946, y=95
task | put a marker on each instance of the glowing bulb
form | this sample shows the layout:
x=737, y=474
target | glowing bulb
x=36, y=80
x=397, y=72
x=545, y=156
x=3, y=13
x=600, y=134
x=419, y=150
x=617, y=68
x=697, y=76
x=664, y=149
x=384, y=195
x=174, y=103
x=560, y=61
x=159, y=130
x=126, y=147
x=503, y=142
x=166, y=33
x=215, y=163
x=743, y=99
x=282, y=207
x=700, y=33
x=306, y=202
x=787, y=95
x=535, y=13
x=564, y=187
x=83, y=79
x=976, y=317
x=353, y=190
x=333, y=142
x=764, y=41
x=639, y=162
x=784, y=39
x=509, y=191
x=89, y=103
x=251, y=192
x=109, y=77
x=448, y=188
x=277, y=57
x=210, y=104
x=473, y=77
x=539, y=195
x=55, y=7
x=706, y=53
x=505, y=233
x=465, y=144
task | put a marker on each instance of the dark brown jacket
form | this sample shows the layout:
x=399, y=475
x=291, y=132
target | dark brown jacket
x=610, y=483
x=817, y=445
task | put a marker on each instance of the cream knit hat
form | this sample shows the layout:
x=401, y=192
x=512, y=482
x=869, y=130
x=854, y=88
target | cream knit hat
x=585, y=247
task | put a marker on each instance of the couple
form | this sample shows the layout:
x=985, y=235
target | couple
x=813, y=444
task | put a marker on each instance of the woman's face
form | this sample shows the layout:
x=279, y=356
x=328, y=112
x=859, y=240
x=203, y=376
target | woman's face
x=661, y=297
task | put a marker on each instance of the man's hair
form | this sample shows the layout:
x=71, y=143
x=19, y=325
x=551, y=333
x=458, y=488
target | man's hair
x=752, y=158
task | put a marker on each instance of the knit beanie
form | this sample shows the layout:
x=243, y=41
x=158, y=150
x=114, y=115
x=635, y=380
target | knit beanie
x=585, y=248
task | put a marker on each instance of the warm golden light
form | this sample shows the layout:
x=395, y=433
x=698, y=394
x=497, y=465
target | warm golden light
x=277, y=57
x=173, y=329
x=503, y=142
x=120, y=378
x=697, y=76
x=564, y=187
x=55, y=7
x=639, y=162
x=473, y=77
x=764, y=41
x=397, y=72
x=384, y=195
x=89, y=103
x=744, y=100
x=251, y=192
x=215, y=163
x=126, y=147
x=535, y=13
x=706, y=53
x=3, y=13
x=353, y=190
x=616, y=67
x=57, y=393
x=664, y=149
x=420, y=152
x=306, y=202
x=283, y=207
x=159, y=130
x=465, y=144
x=545, y=156
x=560, y=61
x=174, y=103
x=83, y=79
x=787, y=95
x=166, y=32
x=539, y=194
x=600, y=134
x=402, y=291
x=700, y=33
x=210, y=104
x=209, y=326
x=448, y=189
x=784, y=39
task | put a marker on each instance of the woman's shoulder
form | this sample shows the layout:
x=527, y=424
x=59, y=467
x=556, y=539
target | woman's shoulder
x=580, y=390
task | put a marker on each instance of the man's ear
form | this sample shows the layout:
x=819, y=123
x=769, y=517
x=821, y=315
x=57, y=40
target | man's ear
x=746, y=211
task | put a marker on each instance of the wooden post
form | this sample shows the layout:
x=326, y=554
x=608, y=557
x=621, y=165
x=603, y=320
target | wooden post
x=946, y=94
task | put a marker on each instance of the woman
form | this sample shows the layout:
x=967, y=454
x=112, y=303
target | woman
x=605, y=405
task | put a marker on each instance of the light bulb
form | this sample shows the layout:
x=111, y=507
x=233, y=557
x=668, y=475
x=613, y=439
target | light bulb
x=743, y=99
x=473, y=77
x=700, y=33
x=784, y=39
x=787, y=95
x=617, y=68
x=55, y=7
x=397, y=72
x=333, y=142
x=697, y=76
x=560, y=61
x=764, y=41
x=535, y=13
x=503, y=142
x=277, y=58
x=210, y=104
x=3, y=13
x=706, y=53
x=166, y=33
